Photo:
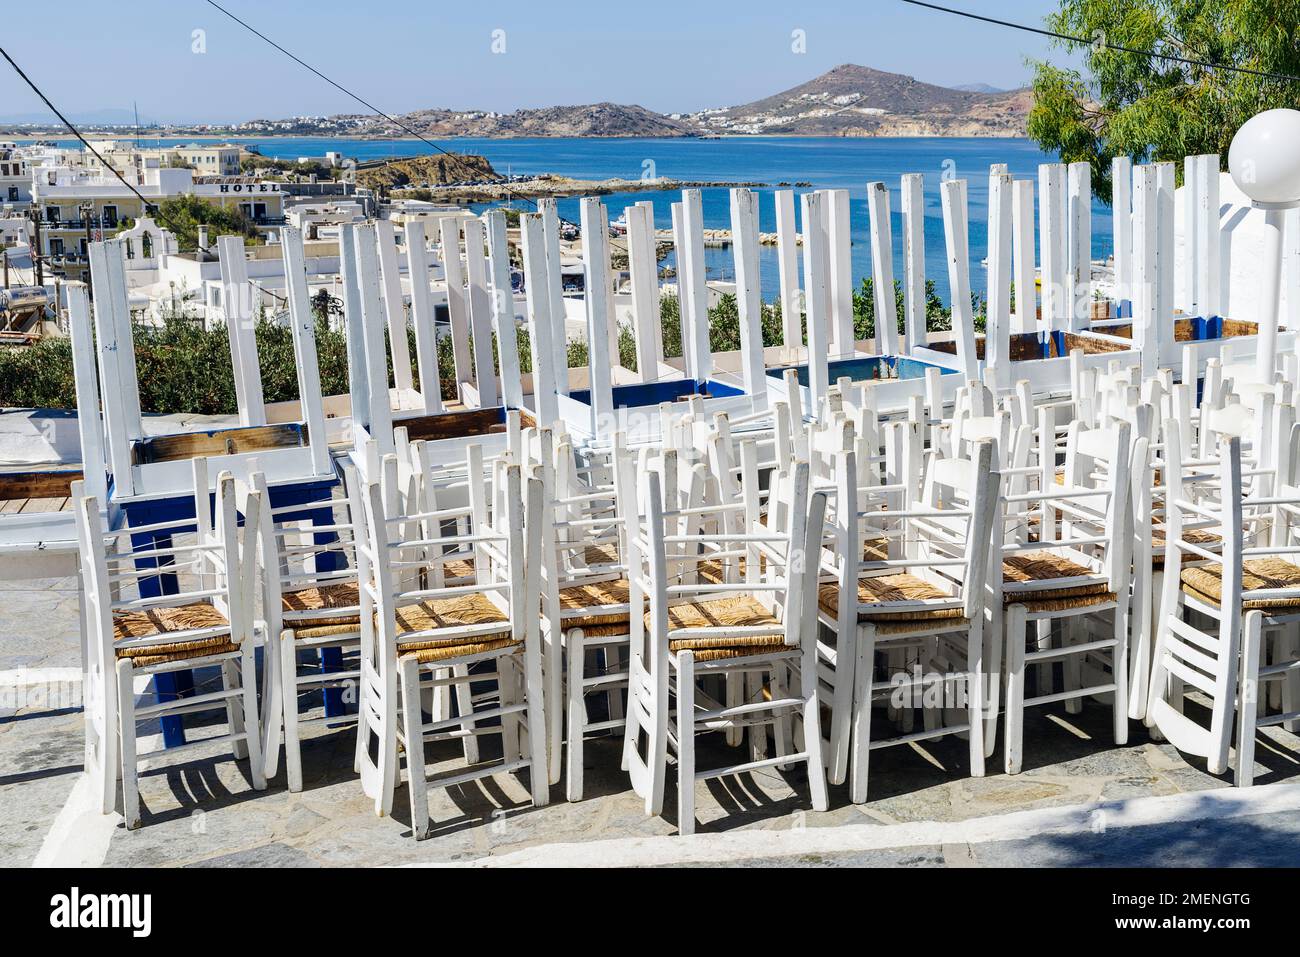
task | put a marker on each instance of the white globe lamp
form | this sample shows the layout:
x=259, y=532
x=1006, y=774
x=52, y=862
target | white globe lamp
x=1264, y=160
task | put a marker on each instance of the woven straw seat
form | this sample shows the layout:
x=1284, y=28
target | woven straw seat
x=1205, y=582
x=456, y=650
x=458, y=568
x=436, y=613
x=601, y=554
x=709, y=572
x=338, y=596
x=876, y=550
x=595, y=595
x=887, y=589
x=1043, y=568
x=734, y=611
x=1196, y=536
x=162, y=621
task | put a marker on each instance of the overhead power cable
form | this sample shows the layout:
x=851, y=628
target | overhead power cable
x=1101, y=41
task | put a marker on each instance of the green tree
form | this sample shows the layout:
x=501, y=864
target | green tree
x=184, y=215
x=938, y=317
x=1153, y=110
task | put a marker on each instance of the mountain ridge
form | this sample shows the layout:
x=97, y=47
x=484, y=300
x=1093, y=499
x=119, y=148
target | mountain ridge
x=847, y=100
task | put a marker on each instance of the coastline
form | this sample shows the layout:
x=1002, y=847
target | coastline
x=240, y=137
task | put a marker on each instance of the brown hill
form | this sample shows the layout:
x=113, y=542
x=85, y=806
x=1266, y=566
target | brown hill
x=592, y=119
x=853, y=100
x=437, y=169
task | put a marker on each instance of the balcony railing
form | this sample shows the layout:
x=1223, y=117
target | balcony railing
x=95, y=222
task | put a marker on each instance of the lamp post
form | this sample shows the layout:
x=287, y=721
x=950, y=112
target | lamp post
x=1264, y=160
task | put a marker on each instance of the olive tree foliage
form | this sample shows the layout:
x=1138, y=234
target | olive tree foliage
x=1121, y=103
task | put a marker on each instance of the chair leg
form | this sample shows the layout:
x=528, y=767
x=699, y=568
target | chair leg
x=975, y=696
x=465, y=704
x=757, y=733
x=509, y=688
x=735, y=692
x=288, y=654
x=363, y=727
x=1291, y=683
x=842, y=706
x=234, y=709
x=576, y=660
x=1072, y=665
x=613, y=659
x=686, y=739
x=126, y=733
x=1046, y=676
x=864, y=671
x=1016, y=621
x=535, y=701
x=910, y=659
x=993, y=671
x=892, y=663
x=812, y=730
x=782, y=737
x=417, y=784
x=252, y=732
x=1119, y=672
x=387, y=764
x=1146, y=595
x=1248, y=694
x=272, y=716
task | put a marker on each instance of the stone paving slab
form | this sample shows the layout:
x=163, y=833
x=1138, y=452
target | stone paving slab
x=204, y=811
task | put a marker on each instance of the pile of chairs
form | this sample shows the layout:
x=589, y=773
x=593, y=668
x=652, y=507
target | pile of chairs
x=802, y=592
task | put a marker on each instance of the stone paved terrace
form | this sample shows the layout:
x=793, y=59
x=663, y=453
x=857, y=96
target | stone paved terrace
x=1156, y=807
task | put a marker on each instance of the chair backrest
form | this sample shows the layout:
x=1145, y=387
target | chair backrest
x=204, y=560
x=784, y=586
x=951, y=529
x=1206, y=662
x=395, y=555
x=584, y=516
x=299, y=549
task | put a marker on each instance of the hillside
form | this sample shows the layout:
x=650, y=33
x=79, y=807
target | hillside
x=437, y=169
x=853, y=100
x=849, y=100
x=593, y=119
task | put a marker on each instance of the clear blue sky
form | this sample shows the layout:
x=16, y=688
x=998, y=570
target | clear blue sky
x=402, y=54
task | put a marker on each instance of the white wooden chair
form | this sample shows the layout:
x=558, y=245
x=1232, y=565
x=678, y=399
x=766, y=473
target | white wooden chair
x=703, y=624
x=311, y=608
x=921, y=586
x=1065, y=559
x=585, y=594
x=1248, y=594
x=134, y=637
x=855, y=463
x=417, y=635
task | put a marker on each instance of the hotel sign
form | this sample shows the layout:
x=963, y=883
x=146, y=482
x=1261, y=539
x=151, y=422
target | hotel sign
x=248, y=187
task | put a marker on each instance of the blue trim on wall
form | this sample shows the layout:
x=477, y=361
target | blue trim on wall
x=652, y=393
x=867, y=369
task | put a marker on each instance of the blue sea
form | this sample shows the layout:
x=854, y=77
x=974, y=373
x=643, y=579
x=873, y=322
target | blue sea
x=824, y=162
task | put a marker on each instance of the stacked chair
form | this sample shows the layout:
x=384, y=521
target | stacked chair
x=786, y=583
x=418, y=635
x=136, y=630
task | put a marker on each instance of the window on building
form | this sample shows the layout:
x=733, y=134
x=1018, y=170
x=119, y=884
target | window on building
x=56, y=248
x=83, y=248
x=52, y=214
x=13, y=193
x=110, y=217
